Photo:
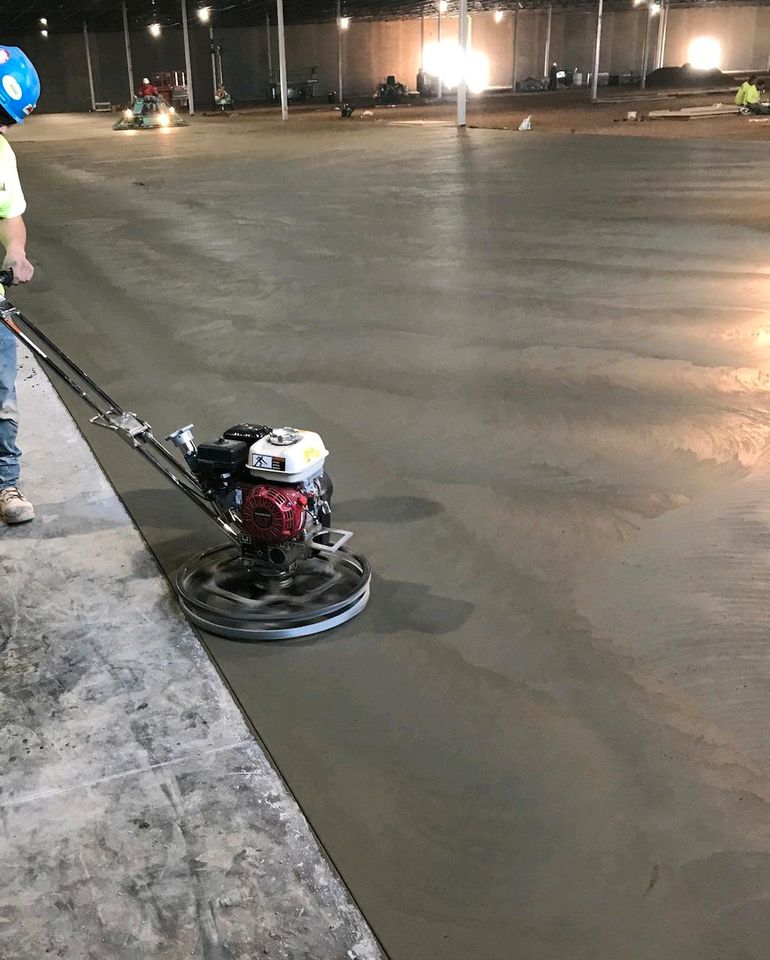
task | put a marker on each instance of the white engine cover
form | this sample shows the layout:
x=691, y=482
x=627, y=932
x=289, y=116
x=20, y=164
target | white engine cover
x=279, y=456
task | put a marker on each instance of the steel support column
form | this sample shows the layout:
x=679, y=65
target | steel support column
x=129, y=64
x=187, y=59
x=597, y=52
x=282, y=60
x=88, y=62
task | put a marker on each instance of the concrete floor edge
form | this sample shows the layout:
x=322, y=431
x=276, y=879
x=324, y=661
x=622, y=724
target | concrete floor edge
x=63, y=395
x=140, y=815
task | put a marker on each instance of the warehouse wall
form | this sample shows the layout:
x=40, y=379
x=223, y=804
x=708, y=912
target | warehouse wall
x=61, y=62
x=744, y=34
x=373, y=50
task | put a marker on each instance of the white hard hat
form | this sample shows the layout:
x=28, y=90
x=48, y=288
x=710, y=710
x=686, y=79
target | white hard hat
x=146, y=80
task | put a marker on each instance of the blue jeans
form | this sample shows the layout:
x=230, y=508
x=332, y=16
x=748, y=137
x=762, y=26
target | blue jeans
x=9, y=413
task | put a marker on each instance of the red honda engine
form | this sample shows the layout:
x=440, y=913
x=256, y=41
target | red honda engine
x=273, y=514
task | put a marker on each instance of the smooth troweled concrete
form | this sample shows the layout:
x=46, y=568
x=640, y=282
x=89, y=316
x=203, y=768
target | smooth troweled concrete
x=139, y=818
x=539, y=364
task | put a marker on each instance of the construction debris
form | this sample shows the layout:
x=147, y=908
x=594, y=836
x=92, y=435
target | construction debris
x=687, y=77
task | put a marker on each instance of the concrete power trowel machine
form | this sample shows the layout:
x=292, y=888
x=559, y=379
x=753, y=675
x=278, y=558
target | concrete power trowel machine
x=286, y=572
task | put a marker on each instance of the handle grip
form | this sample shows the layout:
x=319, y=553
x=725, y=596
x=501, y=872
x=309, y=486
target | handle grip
x=6, y=278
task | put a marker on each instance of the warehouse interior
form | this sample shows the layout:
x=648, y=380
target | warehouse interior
x=534, y=359
x=377, y=41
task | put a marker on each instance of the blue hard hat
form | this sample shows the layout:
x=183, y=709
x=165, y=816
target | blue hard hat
x=19, y=84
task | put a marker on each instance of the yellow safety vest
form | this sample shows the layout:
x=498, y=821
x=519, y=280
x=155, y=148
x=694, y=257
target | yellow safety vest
x=12, y=202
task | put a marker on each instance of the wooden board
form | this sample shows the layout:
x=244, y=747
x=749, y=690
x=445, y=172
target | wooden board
x=695, y=113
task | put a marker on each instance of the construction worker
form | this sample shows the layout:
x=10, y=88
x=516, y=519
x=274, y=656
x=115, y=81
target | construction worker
x=149, y=93
x=147, y=89
x=553, y=76
x=19, y=92
x=748, y=94
x=223, y=100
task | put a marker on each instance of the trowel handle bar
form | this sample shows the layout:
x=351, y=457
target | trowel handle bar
x=113, y=416
x=13, y=317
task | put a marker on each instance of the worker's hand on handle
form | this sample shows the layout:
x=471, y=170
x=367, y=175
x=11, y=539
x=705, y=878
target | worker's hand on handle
x=20, y=269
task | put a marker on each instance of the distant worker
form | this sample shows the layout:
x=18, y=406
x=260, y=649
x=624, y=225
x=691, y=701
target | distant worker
x=146, y=89
x=223, y=100
x=553, y=76
x=748, y=95
x=149, y=93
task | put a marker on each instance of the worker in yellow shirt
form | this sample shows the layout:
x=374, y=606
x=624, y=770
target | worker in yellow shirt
x=748, y=95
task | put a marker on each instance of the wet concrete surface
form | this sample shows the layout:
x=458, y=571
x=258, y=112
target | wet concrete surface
x=539, y=365
x=139, y=818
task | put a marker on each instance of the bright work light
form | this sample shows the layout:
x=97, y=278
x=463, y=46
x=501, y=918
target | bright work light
x=704, y=53
x=449, y=62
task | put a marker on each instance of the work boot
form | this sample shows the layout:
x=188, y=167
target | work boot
x=14, y=506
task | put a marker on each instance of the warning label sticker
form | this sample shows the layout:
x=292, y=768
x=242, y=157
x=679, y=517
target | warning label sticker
x=261, y=461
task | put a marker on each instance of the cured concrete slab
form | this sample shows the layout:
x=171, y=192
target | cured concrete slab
x=539, y=364
x=139, y=818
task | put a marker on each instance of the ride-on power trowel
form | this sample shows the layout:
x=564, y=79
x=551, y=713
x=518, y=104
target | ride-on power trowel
x=286, y=572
